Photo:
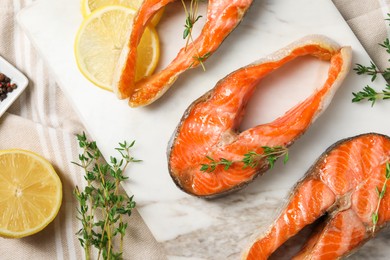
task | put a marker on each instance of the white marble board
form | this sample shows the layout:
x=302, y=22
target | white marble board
x=189, y=227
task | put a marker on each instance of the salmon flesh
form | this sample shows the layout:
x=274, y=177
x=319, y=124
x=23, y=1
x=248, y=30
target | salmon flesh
x=344, y=184
x=209, y=127
x=222, y=17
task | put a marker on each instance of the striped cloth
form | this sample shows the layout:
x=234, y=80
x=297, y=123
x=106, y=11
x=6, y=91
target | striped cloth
x=42, y=120
x=366, y=19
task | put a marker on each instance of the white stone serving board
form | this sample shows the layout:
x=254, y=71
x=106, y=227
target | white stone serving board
x=189, y=227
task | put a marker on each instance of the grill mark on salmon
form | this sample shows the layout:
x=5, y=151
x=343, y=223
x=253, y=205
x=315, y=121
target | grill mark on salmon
x=209, y=127
x=222, y=18
x=347, y=194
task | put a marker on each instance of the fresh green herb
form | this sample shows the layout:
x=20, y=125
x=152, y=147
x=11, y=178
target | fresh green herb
x=372, y=71
x=386, y=44
x=213, y=164
x=191, y=18
x=101, y=205
x=271, y=154
x=368, y=93
x=251, y=159
x=201, y=60
x=371, y=94
x=381, y=193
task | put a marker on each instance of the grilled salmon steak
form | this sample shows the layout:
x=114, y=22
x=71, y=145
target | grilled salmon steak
x=209, y=127
x=222, y=17
x=345, y=182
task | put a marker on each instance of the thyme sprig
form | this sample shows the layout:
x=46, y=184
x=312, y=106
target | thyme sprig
x=381, y=193
x=372, y=71
x=191, y=18
x=213, y=164
x=101, y=204
x=368, y=93
x=250, y=159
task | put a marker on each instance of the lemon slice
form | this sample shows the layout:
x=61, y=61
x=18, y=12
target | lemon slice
x=30, y=193
x=88, y=6
x=100, y=40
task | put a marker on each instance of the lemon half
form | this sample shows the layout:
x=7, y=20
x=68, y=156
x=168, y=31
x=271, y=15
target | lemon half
x=30, y=193
x=100, y=40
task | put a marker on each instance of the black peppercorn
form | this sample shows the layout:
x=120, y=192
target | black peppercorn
x=3, y=96
x=5, y=86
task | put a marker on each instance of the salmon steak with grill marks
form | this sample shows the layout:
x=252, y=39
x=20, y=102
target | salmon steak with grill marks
x=344, y=185
x=222, y=17
x=209, y=127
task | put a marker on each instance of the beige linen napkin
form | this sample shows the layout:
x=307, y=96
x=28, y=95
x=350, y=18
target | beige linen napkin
x=367, y=20
x=42, y=121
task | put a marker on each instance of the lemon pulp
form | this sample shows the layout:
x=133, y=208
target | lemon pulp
x=30, y=193
x=100, y=40
x=88, y=6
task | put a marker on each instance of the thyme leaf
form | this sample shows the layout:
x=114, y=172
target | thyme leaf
x=381, y=194
x=250, y=159
x=372, y=70
x=370, y=94
x=189, y=25
x=201, y=60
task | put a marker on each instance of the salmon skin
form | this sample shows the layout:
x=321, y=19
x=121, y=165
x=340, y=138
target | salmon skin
x=222, y=17
x=342, y=183
x=209, y=126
